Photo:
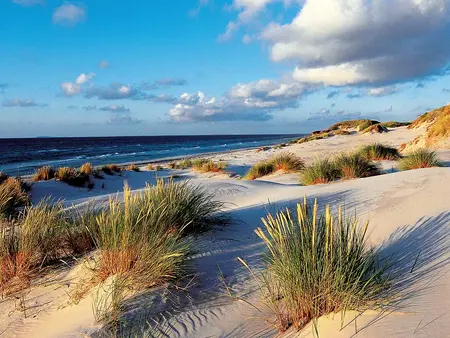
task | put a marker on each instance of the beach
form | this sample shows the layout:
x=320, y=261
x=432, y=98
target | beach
x=409, y=219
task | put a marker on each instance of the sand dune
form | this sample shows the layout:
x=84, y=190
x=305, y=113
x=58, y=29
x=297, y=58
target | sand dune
x=409, y=215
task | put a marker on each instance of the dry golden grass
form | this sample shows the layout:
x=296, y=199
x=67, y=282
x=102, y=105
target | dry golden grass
x=209, y=166
x=287, y=162
x=86, y=168
x=13, y=194
x=44, y=174
x=133, y=167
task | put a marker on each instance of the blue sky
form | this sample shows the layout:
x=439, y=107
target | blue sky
x=98, y=67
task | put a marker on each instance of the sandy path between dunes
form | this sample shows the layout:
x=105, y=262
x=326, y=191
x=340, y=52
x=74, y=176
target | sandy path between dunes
x=409, y=215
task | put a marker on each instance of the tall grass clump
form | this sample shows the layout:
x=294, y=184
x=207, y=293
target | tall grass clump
x=71, y=176
x=135, y=242
x=354, y=165
x=13, y=194
x=318, y=263
x=319, y=172
x=379, y=152
x=198, y=163
x=86, y=169
x=211, y=166
x=44, y=174
x=184, y=164
x=28, y=244
x=260, y=169
x=420, y=158
x=110, y=169
x=287, y=162
x=3, y=177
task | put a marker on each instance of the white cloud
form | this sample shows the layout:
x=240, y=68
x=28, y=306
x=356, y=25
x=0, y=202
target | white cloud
x=83, y=78
x=69, y=15
x=75, y=88
x=123, y=120
x=253, y=101
x=115, y=108
x=382, y=91
x=347, y=42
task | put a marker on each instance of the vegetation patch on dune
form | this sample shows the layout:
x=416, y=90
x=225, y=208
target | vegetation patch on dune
x=320, y=171
x=13, y=195
x=379, y=152
x=420, y=158
x=285, y=162
x=353, y=165
x=209, y=166
x=44, y=174
x=316, y=264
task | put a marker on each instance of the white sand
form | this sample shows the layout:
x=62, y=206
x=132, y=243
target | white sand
x=409, y=215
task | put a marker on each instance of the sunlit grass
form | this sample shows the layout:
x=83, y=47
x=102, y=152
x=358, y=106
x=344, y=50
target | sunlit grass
x=420, y=158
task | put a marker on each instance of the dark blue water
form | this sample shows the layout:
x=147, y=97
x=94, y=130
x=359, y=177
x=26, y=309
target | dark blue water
x=23, y=156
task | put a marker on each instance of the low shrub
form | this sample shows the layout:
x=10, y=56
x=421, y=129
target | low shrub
x=86, y=168
x=44, y=174
x=133, y=167
x=287, y=162
x=319, y=172
x=379, y=152
x=184, y=164
x=420, y=158
x=355, y=166
x=260, y=169
x=317, y=264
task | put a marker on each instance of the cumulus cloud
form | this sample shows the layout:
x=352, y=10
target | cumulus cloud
x=83, y=78
x=115, y=108
x=69, y=15
x=253, y=101
x=76, y=87
x=341, y=42
x=27, y=3
x=25, y=103
x=123, y=120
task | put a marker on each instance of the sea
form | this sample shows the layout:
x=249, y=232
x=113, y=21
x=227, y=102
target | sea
x=22, y=156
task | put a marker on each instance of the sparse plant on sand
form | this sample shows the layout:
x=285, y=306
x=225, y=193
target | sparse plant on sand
x=184, y=164
x=260, y=169
x=198, y=163
x=316, y=264
x=287, y=162
x=420, y=158
x=320, y=171
x=379, y=152
x=110, y=169
x=44, y=174
x=354, y=165
x=133, y=167
x=211, y=166
x=86, y=169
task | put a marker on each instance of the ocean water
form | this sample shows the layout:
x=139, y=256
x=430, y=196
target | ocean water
x=23, y=156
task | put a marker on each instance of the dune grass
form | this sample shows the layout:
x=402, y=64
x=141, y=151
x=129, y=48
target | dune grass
x=86, y=169
x=260, y=169
x=379, y=152
x=353, y=165
x=133, y=167
x=420, y=158
x=44, y=174
x=184, y=164
x=110, y=169
x=318, y=263
x=286, y=162
x=394, y=124
x=320, y=171
x=135, y=242
x=28, y=244
x=209, y=166
x=72, y=176
x=13, y=194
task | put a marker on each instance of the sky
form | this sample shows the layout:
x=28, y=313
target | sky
x=178, y=67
